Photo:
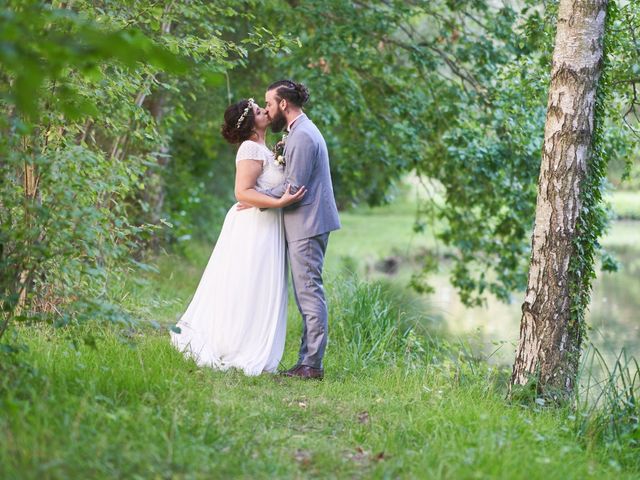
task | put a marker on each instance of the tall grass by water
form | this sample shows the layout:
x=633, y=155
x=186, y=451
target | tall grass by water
x=607, y=401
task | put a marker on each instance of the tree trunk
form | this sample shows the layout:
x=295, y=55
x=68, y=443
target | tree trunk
x=550, y=332
x=118, y=150
x=30, y=185
x=154, y=191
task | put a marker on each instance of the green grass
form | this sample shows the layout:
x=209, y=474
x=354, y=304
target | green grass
x=142, y=411
x=370, y=234
x=396, y=402
x=625, y=204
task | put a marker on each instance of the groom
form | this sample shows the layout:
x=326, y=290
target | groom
x=307, y=223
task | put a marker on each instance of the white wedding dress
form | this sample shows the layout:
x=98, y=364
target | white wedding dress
x=237, y=316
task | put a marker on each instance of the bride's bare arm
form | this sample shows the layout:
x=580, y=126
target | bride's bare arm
x=247, y=173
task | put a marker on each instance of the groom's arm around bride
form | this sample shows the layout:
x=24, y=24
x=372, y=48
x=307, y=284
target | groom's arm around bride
x=300, y=155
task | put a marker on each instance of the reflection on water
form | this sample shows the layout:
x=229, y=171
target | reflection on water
x=613, y=317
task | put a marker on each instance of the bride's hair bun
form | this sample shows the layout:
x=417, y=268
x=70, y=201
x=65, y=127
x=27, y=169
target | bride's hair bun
x=230, y=130
x=295, y=93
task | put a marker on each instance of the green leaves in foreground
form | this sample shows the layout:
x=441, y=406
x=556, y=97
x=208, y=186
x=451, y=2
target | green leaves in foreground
x=39, y=42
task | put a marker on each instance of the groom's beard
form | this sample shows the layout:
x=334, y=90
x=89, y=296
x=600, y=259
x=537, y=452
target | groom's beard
x=278, y=122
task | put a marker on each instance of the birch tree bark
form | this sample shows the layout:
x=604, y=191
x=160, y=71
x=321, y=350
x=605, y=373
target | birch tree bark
x=550, y=333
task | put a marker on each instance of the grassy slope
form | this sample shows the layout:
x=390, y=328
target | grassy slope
x=145, y=412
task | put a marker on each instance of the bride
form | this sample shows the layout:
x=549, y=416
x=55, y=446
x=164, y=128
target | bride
x=237, y=316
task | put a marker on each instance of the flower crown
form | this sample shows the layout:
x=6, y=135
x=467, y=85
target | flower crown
x=244, y=114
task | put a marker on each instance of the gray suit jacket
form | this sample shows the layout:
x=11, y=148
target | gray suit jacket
x=307, y=163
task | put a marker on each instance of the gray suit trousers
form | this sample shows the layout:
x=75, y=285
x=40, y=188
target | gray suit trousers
x=306, y=258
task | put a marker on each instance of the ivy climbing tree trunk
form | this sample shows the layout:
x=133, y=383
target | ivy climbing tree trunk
x=552, y=324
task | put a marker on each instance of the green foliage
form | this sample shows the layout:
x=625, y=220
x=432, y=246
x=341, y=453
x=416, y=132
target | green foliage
x=455, y=92
x=492, y=156
x=623, y=106
x=200, y=177
x=69, y=240
x=39, y=42
x=488, y=154
x=86, y=96
x=447, y=90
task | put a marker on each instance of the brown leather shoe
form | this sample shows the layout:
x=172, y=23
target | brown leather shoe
x=287, y=373
x=304, y=372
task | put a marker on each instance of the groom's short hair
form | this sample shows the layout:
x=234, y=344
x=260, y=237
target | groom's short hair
x=295, y=93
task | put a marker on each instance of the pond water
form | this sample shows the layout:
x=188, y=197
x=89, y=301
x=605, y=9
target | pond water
x=613, y=317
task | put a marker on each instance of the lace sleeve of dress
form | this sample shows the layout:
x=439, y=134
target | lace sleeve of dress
x=250, y=150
